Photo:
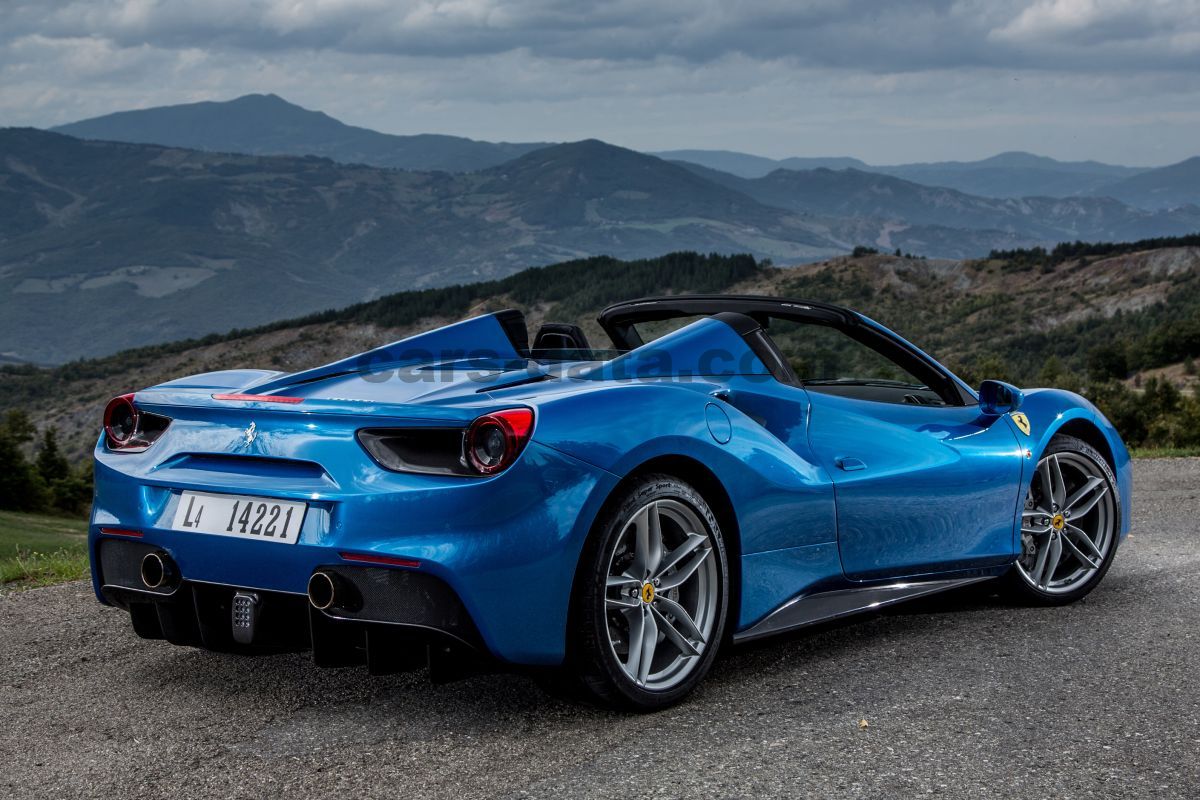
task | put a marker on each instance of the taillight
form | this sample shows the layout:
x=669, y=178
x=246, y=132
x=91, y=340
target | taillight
x=487, y=446
x=129, y=429
x=120, y=420
x=494, y=441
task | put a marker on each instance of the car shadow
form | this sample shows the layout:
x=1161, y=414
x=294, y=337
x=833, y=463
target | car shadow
x=366, y=708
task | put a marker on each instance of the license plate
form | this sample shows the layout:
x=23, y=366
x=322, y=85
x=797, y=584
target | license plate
x=261, y=518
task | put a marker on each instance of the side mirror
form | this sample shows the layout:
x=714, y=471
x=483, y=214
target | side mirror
x=998, y=397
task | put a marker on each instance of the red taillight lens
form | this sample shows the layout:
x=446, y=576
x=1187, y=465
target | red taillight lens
x=494, y=441
x=121, y=532
x=120, y=420
x=390, y=561
x=129, y=429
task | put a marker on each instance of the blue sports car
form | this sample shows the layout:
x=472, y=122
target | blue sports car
x=725, y=469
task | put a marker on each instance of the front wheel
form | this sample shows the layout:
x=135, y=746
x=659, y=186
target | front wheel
x=1070, y=525
x=652, y=597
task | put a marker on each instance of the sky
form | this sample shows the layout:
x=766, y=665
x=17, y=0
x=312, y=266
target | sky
x=887, y=82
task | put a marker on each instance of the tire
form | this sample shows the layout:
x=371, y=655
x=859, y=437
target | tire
x=1079, y=569
x=608, y=619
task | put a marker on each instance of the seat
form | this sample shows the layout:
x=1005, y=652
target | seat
x=560, y=336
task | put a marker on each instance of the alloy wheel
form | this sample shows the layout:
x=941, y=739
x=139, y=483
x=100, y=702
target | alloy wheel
x=661, y=598
x=1067, y=525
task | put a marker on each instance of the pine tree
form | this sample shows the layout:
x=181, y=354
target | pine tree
x=51, y=464
x=21, y=487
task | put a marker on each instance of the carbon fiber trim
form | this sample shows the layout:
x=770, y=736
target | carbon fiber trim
x=401, y=597
x=121, y=565
x=824, y=606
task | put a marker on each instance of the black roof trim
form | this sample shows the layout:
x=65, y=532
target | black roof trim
x=618, y=319
x=648, y=308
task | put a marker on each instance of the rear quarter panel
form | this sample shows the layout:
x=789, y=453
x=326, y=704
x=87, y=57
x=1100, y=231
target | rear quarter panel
x=782, y=501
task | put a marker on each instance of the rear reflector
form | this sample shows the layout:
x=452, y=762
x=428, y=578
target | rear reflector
x=121, y=532
x=259, y=398
x=368, y=558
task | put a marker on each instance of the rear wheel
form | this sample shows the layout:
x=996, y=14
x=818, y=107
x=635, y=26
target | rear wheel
x=1070, y=525
x=652, y=597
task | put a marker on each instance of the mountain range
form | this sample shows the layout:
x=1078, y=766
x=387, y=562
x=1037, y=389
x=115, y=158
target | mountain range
x=269, y=125
x=108, y=244
x=266, y=124
x=1007, y=175
x=859, y=194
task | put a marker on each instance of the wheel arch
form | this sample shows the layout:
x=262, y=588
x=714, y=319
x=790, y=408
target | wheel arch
x=1087, y=431
x=1095, y=431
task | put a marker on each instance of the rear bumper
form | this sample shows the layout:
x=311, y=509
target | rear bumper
x=388, y=620
x=503, y=549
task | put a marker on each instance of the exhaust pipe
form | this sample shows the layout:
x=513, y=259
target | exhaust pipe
x=330, y=590
x=158, y=571
x=322, y=590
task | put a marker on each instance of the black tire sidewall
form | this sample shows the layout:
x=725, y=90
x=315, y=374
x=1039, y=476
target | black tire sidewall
x=591, y=656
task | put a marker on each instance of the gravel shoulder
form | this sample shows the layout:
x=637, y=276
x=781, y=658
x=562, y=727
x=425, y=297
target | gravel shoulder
x=964, y=697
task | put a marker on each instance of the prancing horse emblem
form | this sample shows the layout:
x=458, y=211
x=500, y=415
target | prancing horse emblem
x=250, y=433
x=1022, y=422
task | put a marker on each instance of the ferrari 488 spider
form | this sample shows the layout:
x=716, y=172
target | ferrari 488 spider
x=726, y=469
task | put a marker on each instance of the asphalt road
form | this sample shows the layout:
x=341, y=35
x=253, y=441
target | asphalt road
x=963, y=695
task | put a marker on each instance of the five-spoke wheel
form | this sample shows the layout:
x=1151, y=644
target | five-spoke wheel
x=653, y=612
x=661, y=594
x=1069, y=524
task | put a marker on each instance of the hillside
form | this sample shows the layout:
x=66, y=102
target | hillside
x=571, y=290
x=138, y=244
x=987, y=318
x=854, y=193
x=1165, y=187
x=269, y=125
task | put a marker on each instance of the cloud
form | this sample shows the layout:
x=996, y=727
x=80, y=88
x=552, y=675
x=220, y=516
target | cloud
x=642, y=73
x=1098, y=21
x=881, y=36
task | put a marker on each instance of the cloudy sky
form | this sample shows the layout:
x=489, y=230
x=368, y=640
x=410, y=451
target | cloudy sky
x=1114, y=80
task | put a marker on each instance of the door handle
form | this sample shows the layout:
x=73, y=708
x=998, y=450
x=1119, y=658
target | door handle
x=849, y=463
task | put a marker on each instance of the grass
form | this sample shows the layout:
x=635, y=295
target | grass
x=39, y=549
x=1164, y=452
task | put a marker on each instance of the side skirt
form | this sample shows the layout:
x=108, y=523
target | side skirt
x=824, y=606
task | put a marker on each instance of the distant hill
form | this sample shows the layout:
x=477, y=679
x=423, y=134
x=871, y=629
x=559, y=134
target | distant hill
x=1014, y=174
x=136, y=244
x=572, y=183
x=260, y=124
x=1165, y=187
x=745, y=165
x=855, y=193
